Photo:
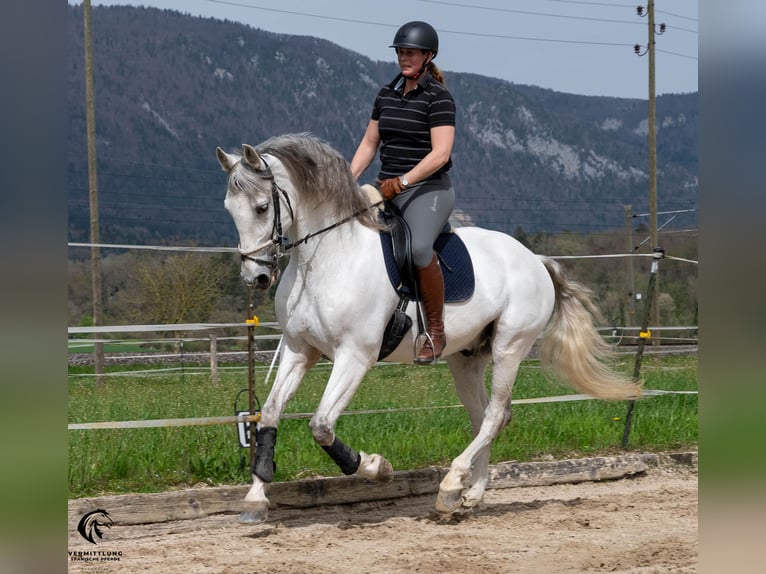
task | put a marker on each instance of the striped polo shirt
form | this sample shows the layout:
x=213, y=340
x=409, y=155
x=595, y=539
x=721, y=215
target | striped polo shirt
x=405, y=121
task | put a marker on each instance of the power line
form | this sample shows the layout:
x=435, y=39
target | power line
x=156, y=177
x=535, y=39
x=679, y=28
x=457, y=32
x=676, y=54
x=296, y=13
x=677, y=15
x=109, y=159
x=528, y=217
x=605, y=4
x=505, y=199
x=550, y=15
x=529, y=12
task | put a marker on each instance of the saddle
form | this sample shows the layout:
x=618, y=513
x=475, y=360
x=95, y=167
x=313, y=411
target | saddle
x=455, y=263
x=454, y=260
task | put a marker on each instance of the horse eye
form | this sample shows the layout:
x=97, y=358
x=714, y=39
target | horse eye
x=262, y=208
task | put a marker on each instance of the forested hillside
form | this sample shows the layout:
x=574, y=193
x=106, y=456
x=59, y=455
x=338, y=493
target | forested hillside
x=171, y=87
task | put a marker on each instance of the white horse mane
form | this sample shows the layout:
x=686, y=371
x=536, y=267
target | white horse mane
x=320, y=174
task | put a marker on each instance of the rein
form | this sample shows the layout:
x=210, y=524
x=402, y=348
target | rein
x=280, y=240
x=308, y=236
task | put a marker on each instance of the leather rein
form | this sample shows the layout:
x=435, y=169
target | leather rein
x=277, y=237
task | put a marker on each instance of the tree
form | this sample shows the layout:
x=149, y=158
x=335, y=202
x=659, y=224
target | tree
x=521, y=237
x=174, y=289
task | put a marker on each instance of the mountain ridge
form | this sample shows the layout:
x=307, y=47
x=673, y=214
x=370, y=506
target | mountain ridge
x=171, y=87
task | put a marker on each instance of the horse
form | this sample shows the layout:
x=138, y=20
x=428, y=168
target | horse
x=334, y=299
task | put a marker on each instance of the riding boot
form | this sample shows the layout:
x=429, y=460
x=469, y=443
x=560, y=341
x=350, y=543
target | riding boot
x=431, y=285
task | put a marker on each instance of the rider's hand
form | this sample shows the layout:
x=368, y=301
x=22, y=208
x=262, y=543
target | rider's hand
x=390, y=188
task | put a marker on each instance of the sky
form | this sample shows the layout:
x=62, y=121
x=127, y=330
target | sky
x=573, y=46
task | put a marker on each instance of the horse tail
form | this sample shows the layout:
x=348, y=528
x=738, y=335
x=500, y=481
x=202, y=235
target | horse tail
x=572, y=351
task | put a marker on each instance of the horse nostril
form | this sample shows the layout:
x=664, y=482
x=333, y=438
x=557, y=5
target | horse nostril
x=263, y=281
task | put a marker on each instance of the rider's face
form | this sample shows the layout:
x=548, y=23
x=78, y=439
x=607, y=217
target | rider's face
x=410, y=60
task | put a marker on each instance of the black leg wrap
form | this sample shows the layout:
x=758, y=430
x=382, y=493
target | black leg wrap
x=344, y=456
x=264, y=466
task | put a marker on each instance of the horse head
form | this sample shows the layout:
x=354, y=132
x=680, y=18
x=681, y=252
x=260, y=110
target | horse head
x=254, y=205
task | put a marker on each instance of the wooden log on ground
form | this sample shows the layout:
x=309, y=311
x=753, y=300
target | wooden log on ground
x=509, y=475
x=197, y=502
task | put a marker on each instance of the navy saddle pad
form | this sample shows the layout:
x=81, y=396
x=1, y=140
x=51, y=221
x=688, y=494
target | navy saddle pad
x=455, y=261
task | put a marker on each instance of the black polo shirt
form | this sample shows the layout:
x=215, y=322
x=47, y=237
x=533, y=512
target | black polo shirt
x=405, y=121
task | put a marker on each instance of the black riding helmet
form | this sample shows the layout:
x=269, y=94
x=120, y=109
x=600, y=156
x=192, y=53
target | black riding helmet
x=417, y=35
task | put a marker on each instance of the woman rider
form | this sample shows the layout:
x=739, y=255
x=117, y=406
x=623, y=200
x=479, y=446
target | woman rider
x=413, y=124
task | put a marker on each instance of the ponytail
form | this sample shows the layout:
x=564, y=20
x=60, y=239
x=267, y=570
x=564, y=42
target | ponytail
x=435, y=72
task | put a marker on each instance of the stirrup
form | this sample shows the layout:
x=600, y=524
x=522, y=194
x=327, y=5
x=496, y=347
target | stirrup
x=428, y=341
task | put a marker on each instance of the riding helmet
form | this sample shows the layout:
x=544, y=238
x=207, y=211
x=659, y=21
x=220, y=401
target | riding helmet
x=417, y=35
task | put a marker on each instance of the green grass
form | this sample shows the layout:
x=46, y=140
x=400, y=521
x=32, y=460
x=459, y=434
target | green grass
x=86, y=346
x=156, y=459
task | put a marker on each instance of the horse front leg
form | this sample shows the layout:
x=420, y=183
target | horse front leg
x=344, y=380
x=292, y=368
x=370, y=466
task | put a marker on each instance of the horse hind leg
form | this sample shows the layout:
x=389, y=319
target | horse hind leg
x=468, y=373
x=496, y=415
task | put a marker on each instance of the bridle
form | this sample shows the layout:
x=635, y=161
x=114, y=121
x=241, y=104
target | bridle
x=277, y=238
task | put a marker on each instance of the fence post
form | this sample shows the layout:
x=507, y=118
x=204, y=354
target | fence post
x=180, y=351
x=645, y=334
x=251, y=370
x=213, y=359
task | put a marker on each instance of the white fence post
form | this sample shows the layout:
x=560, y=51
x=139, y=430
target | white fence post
x=213, y=359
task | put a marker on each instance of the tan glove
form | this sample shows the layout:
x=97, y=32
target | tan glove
x=390, y=188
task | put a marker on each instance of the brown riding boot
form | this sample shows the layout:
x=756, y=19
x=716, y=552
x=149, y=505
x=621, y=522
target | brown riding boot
x=431, y=285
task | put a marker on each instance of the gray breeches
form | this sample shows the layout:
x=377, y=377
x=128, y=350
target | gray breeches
x=426, y=209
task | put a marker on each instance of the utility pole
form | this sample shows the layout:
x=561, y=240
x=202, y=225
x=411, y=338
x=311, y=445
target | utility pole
x=653, y=164
x=652, y=131
x=652, y=148
x=95, y=256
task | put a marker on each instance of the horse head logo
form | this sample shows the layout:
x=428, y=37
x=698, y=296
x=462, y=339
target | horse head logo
x=92, y=523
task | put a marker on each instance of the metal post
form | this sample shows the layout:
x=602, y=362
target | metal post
x=251, y=370
x=631, y=311
x=645, y=334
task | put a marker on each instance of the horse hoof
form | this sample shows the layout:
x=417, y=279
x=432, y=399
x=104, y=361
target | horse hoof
x=449, y=501
x=469, y=503
x=254, y=512
x=385, y=472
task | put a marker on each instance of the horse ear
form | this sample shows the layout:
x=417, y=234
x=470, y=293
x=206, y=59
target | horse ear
x=226, y=160
x=251, y=157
